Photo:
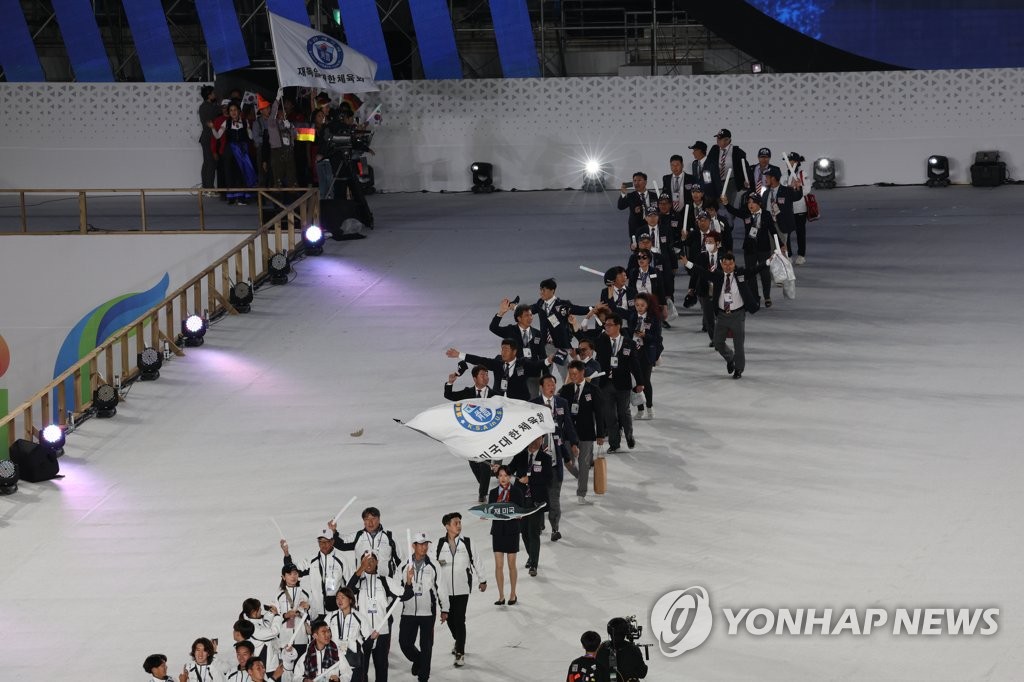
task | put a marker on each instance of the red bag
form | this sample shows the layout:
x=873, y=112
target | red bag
x=813, y=211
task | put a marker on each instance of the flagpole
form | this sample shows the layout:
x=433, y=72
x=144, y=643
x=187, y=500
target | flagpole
x=273, y=46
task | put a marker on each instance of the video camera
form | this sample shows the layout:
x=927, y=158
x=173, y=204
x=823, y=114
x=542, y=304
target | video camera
x=635, y=629
x=346, y=139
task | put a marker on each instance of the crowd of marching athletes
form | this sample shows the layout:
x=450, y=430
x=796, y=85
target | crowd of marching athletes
x=591, y=366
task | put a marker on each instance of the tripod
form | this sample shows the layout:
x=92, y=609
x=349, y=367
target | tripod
x=346, y=176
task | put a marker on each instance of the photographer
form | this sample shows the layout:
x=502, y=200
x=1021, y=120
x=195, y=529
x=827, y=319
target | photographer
x=339, y=144
x=619, y=659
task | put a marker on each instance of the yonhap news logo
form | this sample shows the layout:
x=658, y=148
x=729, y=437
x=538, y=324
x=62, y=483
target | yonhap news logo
x=682, y=621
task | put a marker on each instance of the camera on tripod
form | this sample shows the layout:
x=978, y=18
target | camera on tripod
x=635, y=629
x=345, y=140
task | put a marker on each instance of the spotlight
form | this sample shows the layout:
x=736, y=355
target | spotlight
x=241, y=297
x=483, y=177
x=8, y=477
x=193, y=328
x=105, y=400
x=313, y=239
x=279, y=268
x=149, y=361
x=824, y=174
x=756, y=67
x=938, y=171
x=52, y=438
x=593, y=176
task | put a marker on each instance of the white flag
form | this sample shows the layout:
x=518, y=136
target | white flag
x=485, y=428
x=308, y=58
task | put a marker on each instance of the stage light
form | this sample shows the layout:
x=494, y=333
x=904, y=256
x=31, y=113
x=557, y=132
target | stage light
x=313, y=239
x=52, y=438
x=593, y=176
x=240, y=297
x=193, y=328
x=8, y=477
x=483, y=177
x=279, y=268
x=824, y=174
x=149, y=362
x=105, y=400
x=756, y=67
x=938, y=171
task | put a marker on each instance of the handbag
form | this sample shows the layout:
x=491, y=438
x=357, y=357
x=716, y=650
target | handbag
x=813, y=210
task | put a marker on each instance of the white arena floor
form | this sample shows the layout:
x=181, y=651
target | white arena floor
x=870, y=457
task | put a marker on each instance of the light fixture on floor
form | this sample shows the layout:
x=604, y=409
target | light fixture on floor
x=8, y=477
x=938, y=171
x=593, y=176
x=313, y=239
x=105, y=400
x=240, y=297
x=483, y=177
x=149, y=362
x=279, y=268
x=52, y=439
x=193, y=328
x=824, y=174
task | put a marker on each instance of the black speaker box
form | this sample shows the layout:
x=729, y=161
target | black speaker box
x=988, y=174
x=35, y=463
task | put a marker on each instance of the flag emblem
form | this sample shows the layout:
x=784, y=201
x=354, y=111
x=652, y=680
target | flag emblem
x=325, y=51
x=477, y=417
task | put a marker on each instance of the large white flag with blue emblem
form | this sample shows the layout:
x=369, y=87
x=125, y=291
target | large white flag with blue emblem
x=311, y=59
x=481, y=429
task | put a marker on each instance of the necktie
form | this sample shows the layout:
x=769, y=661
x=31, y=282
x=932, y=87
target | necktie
x=760, y=179
x=618, y=298
x=728, y=290
x=526, y=338
x=675, y=184
x=479, y=393
x=579, y=391
x=503, y=494
x=508, y=369
x=721, y=167
x=615, y=345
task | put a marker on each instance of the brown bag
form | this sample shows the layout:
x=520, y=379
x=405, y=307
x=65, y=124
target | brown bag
x=600, y=476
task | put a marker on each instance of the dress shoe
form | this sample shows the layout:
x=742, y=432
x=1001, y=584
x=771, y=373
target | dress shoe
x=767, y=303
x=555, y=536
x=533, y=572
x=730, y=367
x=500, y=602
x=481, y=500
x=416, y=669
x=711, y=344
x=737, y=374
x=614, y=449
x=666, y=325
x=630, y=443
x=513, y=601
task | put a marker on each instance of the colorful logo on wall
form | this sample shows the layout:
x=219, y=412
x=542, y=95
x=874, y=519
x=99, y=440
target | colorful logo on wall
x=5, y=363
x=96, y=327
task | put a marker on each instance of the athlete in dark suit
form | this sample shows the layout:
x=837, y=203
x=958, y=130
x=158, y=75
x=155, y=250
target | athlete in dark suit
x=531, y=341
x=617, y=355
x=554, y=315
x=778, y=201
x=732, y=299
x=758, y=242
x=566, y=445
x=637, y=201
x=505, y=534
x=510, y=372
x=739, y=164
x=479, y=389
x=707, y=260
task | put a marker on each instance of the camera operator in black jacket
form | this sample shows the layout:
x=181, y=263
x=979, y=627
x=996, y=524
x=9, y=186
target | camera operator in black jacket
x=619, y=659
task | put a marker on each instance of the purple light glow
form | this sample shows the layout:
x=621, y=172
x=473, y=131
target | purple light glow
x=314, y=234
x=194, y=323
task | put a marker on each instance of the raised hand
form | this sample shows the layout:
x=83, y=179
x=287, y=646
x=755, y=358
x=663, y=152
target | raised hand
x=452, y=352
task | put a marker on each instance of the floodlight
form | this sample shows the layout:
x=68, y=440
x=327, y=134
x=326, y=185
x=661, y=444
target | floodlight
x=241, y=297
x=824, y=174
x=105, y=400
x=149, y=361
x=8, y=477
x=756, y=67
x=313, y=239
x=593, y=176
x=938, y=171
x=193, y=328
x=279, y=268
x=483, y=177
x=52, y=438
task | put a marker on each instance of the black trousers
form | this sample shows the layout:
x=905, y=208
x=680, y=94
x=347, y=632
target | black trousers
x=707, y=307
x=421, y=627
x=752, y=259
x=209, y=170
x=457, y=620
x=482, y=472
x=531, y=528
x=800, y=221
x=645, y=376
x=378, y=652
x=617, y=417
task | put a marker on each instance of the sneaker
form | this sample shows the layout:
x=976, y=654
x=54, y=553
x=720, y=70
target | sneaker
x=800, y=260
x=583, y=500
x=460, y=660
x=650, y=412
x=555, y=536
x=630, y=443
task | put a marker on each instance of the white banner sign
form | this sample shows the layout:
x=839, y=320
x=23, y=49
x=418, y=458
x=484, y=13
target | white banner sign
x=485, y=428
x=310, y=59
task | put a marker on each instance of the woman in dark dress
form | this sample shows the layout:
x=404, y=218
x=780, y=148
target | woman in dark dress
x=505, y=536
x=238, y=166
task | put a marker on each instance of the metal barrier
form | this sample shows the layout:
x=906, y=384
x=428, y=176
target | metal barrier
x=208, y=291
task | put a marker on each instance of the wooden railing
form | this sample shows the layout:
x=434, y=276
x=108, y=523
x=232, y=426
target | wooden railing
x=264, y=197
x=208, y=292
